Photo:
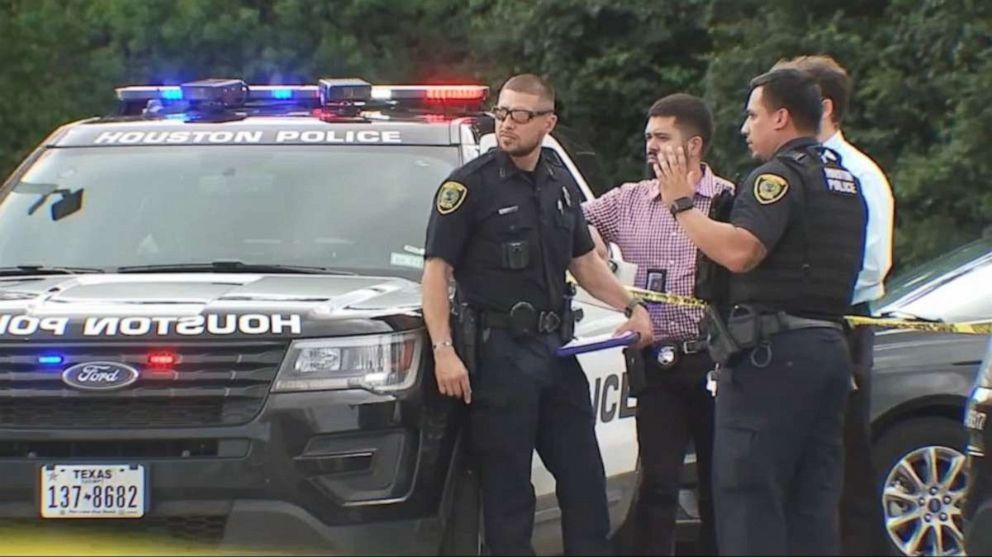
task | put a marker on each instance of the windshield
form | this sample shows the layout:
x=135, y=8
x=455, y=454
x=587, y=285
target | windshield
x=953, y=287
x=354, y=208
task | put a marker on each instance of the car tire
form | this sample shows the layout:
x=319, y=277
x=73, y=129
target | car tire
x=906, y=477
x=463, y=533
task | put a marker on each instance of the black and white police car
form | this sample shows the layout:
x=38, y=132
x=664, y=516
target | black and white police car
x=210, y=322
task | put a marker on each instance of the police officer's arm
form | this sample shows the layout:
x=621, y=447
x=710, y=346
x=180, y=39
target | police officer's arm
x=591, y=272
x=447, y=231
x=731, y=246
x=601, y=250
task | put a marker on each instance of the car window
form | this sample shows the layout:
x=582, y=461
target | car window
x=348, y=207
x=958, y=288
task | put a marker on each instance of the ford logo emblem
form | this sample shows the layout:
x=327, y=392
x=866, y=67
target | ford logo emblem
x=99, y=376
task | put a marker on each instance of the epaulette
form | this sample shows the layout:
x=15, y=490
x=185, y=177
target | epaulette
x=474, y=165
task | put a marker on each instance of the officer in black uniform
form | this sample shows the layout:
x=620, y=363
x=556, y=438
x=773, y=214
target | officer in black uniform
x=793, y=247
x=507, y=226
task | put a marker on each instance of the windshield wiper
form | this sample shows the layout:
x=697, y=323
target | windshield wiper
x=18, y=270
x=230, y=267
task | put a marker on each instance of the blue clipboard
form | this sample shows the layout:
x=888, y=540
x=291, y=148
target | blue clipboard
x=594, y=343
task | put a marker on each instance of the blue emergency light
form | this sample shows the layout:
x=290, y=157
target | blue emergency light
x=50, y=359
x=283, y=92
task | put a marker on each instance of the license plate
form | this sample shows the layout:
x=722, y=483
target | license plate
x=974, y=419
x=92, y=491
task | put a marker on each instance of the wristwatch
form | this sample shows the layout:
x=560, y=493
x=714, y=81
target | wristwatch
x=631, y=306
x=681, y=204
x=443, y=344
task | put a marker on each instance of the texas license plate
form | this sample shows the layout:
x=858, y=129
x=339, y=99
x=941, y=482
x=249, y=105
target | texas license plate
x=92, y=491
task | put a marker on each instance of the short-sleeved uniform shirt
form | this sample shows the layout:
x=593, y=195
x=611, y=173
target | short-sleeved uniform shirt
x=509, y=234
x=769, y=198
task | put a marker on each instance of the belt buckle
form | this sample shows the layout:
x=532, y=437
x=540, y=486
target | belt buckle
x=549, y=322
x=690, y=347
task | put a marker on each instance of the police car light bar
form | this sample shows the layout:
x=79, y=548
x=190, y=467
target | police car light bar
x=344, y=90
x=226, y=92
x=283, y=92
x=147, y=93
x=432, y=93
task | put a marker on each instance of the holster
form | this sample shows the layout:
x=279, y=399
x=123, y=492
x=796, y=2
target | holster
x=466, y=336
x=637, y=379
x=569, y=316
x=728, y=340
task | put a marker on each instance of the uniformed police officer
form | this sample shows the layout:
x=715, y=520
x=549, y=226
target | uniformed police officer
x=793, y=246
x=507, y=225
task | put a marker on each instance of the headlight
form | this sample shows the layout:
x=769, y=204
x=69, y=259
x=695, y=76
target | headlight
x=378, y=363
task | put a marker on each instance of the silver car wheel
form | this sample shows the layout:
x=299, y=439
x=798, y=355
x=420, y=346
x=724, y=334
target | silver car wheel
x=922, y=499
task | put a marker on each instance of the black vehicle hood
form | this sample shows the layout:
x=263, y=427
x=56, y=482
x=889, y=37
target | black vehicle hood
x=201, y=306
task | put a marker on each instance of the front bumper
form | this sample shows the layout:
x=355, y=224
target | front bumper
x=978, y=502
x=344, y=471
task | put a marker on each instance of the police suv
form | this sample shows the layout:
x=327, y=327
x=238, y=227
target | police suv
x=210, y=322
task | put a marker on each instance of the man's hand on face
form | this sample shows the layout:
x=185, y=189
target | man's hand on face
x=673, y=173
x=640, y=323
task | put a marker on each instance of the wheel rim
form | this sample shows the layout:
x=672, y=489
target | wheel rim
x=922, y=499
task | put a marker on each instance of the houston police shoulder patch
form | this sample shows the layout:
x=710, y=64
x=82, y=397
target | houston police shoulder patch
x=450, y=197
x=769, y=188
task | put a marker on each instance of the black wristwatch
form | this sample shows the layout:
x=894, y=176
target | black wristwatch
x=631, y=306
x=681, y=204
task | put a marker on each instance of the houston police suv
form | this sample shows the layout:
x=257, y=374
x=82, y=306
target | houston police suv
x=210, y=321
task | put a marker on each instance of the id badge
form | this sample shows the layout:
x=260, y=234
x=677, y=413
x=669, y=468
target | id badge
x=657, y=280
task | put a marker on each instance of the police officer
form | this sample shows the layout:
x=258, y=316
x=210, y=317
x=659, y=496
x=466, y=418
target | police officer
x=861, y=523
x=506, y=226
x=793, y=246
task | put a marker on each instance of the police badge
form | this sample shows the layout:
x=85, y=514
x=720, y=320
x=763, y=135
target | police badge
x=450, y=197
x=769, y=188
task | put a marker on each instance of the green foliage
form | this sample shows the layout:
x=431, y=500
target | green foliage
x=922, y=70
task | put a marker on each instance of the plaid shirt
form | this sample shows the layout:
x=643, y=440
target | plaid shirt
x=634, y=217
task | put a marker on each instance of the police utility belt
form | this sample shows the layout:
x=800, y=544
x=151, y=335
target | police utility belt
x=523, y=319
x=668, y=354
x=748, y=327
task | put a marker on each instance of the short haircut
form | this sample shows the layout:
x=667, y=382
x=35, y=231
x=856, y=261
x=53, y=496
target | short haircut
x=832, y=78
x=691, y=114
x=532, y=85
x=795, y=91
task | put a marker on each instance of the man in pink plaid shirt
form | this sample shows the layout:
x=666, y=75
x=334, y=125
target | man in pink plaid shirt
x=675, y=406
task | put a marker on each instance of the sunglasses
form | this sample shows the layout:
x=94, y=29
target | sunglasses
x=518, y=115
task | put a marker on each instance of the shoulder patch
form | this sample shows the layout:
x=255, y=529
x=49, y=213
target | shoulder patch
x=450, y=197
x=769, y=188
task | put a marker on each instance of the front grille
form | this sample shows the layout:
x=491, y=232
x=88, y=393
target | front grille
x=126, y=449
x=212, y=384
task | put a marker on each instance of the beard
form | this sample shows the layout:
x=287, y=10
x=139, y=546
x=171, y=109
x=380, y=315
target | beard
x=518, y=148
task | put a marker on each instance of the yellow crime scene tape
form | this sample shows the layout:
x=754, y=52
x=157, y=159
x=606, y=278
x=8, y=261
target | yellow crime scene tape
x=976, y=328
